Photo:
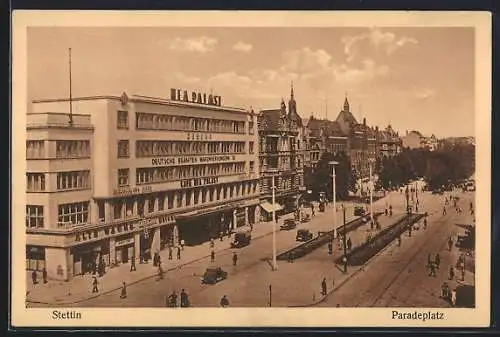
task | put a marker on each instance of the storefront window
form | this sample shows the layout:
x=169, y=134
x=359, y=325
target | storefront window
x=35, y=258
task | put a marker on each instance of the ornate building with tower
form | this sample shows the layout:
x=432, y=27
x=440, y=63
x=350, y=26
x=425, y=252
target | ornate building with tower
x=282, y=148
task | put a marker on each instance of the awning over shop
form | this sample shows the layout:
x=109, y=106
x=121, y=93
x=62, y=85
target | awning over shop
x=269, y=208
x=205, y=211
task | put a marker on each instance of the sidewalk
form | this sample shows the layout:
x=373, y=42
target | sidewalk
x=80, y=287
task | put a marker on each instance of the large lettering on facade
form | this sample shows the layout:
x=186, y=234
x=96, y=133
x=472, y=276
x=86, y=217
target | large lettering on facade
x=172, y=161
x=195, y=97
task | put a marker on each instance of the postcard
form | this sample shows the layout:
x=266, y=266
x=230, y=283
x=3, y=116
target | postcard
x=251, y=169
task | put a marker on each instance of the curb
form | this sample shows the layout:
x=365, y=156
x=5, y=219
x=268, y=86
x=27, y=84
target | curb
x=136, y=281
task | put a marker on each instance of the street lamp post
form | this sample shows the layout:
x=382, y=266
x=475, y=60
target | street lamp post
x=345, y=240
x=371, y=193
x=275, y=266
x=334, y=190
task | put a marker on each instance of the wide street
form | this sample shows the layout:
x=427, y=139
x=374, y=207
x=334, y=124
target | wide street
x=385, y=280
x=398, y=277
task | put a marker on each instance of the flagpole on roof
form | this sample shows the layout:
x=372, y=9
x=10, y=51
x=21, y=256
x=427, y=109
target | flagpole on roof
x=70, y=92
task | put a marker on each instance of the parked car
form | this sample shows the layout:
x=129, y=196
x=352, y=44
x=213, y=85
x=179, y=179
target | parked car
x=303, y=235
x=241, y=239
x=306, y=218
x=213, y=275
x=359, y=211
x=288, y=224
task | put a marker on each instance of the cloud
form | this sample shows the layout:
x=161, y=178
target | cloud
x=424, y=93
x=187, y=79
x=243, y=47
x=200, y=44
x=381, y=40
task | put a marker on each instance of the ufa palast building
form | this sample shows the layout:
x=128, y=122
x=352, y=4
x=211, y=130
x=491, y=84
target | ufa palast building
x=124, y=176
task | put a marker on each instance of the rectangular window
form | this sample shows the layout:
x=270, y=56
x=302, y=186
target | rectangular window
x=252, y=166
x=250, y=128
x=34, y=216
x=123, y=149
x=35, y=149
x=161, y=202
x=122, y=120
x=35, y=182
x=123, y=177
x=72, y=148
x=151, y=204
x=73, y=180
x=117, y=210
x=76, y=213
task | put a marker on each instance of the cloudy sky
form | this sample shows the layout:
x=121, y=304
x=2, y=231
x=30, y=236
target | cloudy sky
x=412, y=78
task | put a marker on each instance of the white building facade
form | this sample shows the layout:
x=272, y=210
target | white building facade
x=133, y=175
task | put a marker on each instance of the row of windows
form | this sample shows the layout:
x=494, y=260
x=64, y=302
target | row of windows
x=151, y=121
x=149, y=148
x=35, y=182
x=73, y=180
x=169, y=200
x=164, y=174
x=72, y=148
x=76, y=213
x=35, y=149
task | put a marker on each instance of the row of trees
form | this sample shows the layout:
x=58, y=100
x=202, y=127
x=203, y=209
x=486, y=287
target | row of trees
x=450, y=164
x=320, y=180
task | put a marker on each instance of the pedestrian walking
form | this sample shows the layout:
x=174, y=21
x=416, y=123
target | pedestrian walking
x=235, y=259
x=462, y=271
x=172, y=299
x=323, y=287
x=444, y=290
x=386, y=211
x=160, y=272
x=221, y=236
x=390, y=210
x=224, y=302
x=451, y=274
x=425, y=222
x=178, y=253
x=444, y=210
x=429, y=260
x=330, y=248
x=432, y=269
x=123, y=293
x=399, y=240
x=437, y=260
x=95, y=289
x=212, y=256
x=182, y=244
x=132, y=264
x=155, y=260
x=454, y=297
x=450, y=244
x=44, y=275
x=212, y=243
x=170, y=252
x=34, y=277
x=184, y=299
x=349, y=243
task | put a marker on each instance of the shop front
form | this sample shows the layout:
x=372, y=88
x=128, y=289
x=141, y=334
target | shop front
x=35, y=258
x=268, y=209
x=86, y=257
x=198, y=227
x=169, y=236
x=124, y=249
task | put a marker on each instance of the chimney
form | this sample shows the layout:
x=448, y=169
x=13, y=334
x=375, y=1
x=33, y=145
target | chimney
x=364, y=121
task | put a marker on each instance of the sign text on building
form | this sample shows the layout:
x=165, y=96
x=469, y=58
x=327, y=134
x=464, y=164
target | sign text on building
x=199, y=182
x=124, y=191
x=195, y=97
x=170, y=161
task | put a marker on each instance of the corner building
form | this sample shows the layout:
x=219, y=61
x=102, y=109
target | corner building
x=131, y=175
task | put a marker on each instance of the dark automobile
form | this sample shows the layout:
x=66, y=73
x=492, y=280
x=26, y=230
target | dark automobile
x=303, y=235
x=213, y=275
x=305, y=218
x=289, y=224
x=359, y=211
x=241, y=239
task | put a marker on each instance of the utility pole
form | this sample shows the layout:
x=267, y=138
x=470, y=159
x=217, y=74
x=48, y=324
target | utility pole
x=371, y=193
x=270, y=295
x=70, y=92
x=334, y=195
x=345, y=240
x=275, y=266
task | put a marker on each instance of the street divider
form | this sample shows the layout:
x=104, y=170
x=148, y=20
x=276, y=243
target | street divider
x=322, y=239
x=362, y=253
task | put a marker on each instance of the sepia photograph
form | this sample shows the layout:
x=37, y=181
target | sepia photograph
x=289, y=162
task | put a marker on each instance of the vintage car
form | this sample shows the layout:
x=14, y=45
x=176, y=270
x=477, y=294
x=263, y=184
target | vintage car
x=305, y=218
x=213, y=275
x=241, y=239
x=288, y=224
x=359, y=211
x=303, y=235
